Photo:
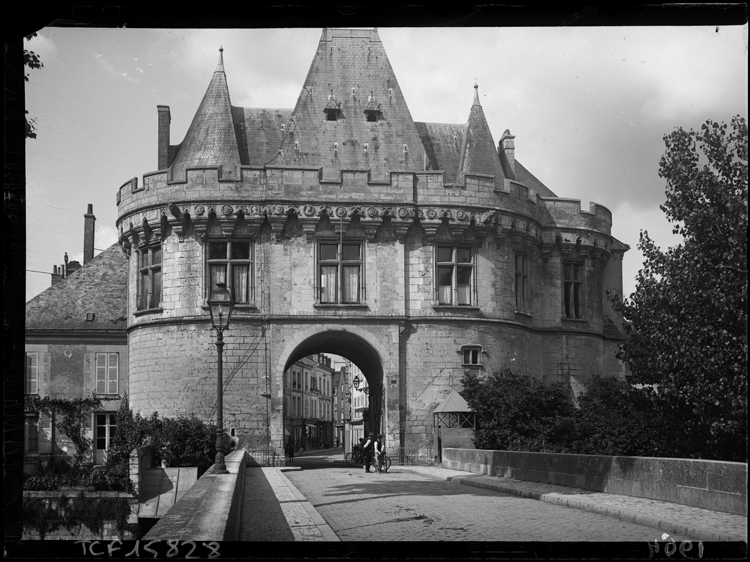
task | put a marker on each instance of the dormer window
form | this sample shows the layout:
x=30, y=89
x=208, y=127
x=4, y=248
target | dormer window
x=372, y=111
x=332, y=109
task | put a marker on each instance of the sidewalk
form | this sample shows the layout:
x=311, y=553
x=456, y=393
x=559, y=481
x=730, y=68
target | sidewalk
x=701, y=524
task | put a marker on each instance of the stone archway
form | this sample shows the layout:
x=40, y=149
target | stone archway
x=358, y=345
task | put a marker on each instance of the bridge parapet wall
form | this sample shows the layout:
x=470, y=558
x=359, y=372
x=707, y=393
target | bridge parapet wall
x=715, y=485
x=210, y=510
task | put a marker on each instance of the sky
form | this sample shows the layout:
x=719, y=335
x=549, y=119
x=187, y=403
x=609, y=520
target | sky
x=588, y=106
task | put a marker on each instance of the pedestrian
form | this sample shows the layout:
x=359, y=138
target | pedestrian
x=379, y=453
x=367, y=450
x=290, y=451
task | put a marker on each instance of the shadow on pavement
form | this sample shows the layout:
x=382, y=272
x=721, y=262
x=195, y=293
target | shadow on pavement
x=262, y=518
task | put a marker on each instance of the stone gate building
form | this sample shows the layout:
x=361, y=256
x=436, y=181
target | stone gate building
x=416, y=250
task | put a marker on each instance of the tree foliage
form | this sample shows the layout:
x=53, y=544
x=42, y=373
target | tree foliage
x=687, y=319
x=516, y=412
x=32, y=61
x=610, y=417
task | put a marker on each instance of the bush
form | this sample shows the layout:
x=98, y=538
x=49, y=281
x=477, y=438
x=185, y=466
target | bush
x=516, y=412
x=615, y=418
x=612, y=417
x=180, y=441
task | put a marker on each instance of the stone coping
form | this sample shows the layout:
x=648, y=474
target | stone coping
x=210, y=510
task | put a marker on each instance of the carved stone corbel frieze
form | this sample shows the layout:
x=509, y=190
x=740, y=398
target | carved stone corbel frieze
x=401, y=227
x=179, y=221
x=308, y=226
x=277, y=223
x=325, y=210
x=135, y=239
x=124, y=243
x=148, y=233
x=370, y=226
x=546, y=250
x=200, y=228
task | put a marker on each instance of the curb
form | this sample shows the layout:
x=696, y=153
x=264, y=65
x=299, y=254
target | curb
x=316, y=518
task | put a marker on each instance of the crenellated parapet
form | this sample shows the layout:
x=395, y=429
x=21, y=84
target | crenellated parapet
x=383, y=209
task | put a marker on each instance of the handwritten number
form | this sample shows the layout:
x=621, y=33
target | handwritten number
x=192, y=544
x=172, y=544
x=214, y=546
x=135, y=550
x=147, y=549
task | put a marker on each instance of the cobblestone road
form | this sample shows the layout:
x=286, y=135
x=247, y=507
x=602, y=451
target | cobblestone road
x=404, y=506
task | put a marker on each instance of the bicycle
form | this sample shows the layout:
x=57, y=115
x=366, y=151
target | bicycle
x=355, y=457
x=386, y=462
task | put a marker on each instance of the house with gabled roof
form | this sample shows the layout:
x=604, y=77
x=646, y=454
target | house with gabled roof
x=76, y=346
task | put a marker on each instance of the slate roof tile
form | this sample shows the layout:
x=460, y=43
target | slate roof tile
x=99, y=286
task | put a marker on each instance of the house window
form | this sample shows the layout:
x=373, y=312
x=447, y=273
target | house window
x=32, y=373
x=522, y=283
x=31, y=433
x=150, y=277
x=573, y=289
x=455, y=274
x=105, y=430
x=340, y=271
x=231, y=262
x=106, y=373
x=472, y=355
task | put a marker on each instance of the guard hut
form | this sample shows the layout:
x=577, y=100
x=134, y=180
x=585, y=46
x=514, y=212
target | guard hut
x=454, y=424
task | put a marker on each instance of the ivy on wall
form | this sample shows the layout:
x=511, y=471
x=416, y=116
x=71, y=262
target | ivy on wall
x=70, y=417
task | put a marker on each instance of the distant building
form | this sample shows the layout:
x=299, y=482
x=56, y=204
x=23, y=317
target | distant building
x=76, y=345
x=416, y=250
x=308, y=403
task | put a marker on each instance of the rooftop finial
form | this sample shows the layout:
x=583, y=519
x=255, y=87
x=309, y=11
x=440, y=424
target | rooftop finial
x=476, y=93
x=220, y=68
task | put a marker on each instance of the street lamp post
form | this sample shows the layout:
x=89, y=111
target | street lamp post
x=220, y=304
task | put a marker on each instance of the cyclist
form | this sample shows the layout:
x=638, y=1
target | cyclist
x=367, y=449
x=379, y=453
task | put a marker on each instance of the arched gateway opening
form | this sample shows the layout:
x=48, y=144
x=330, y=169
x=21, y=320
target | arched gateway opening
x=305, y=425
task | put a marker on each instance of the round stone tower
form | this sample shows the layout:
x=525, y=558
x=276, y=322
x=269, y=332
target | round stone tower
x=416, y=250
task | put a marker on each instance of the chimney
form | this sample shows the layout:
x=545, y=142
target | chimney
x=88, y=235
x=165, y=118
x=56, y=274
x=506, y=149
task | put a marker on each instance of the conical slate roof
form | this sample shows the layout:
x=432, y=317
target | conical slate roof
x=479, y=154
x=98, y=287
x=211, y=139
x=349, y=81
x=351, y=73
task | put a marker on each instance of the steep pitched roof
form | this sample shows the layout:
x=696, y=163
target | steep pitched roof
x=443, y=144
x=479, y=154
x=527, y=178
x=259, y=133
x=350, y=73
x=100, y=287
x=211, y=139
